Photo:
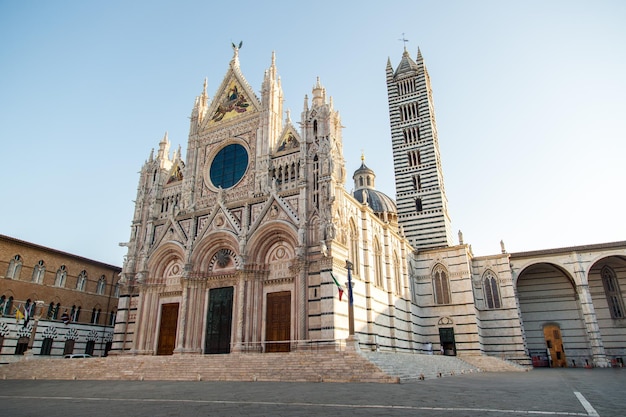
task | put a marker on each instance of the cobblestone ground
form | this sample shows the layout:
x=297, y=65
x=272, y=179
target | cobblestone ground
x=541, y=392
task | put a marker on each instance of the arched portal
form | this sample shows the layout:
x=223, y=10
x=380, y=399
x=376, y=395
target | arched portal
x=548, y=297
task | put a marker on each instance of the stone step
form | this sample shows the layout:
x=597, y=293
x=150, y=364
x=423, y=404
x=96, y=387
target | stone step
x=327, y=366
x=409, y=367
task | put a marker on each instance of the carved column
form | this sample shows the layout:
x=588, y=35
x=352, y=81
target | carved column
x=298, y=271
x=239, y=318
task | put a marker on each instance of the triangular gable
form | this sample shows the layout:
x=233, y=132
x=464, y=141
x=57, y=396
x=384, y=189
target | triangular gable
x=275, y=208
x=289, y=141
x=170, y=231
x=234, y=98
x=220, y=219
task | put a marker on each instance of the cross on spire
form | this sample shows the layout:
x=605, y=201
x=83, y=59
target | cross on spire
x=404, y=40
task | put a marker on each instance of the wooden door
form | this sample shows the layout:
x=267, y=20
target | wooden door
x=278, y=322
x=554, y=343
x=167, y=331
x=219, y=320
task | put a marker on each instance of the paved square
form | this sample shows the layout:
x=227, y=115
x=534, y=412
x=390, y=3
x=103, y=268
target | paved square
x=541, y=392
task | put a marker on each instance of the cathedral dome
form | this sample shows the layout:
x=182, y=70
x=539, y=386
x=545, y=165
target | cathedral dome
x=365, y=192
x=377, y=200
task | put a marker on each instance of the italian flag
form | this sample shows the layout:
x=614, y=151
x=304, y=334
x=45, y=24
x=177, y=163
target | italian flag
x=338, y=286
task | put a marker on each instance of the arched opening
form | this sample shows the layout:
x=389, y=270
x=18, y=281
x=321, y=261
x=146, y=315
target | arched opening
x=548, y=300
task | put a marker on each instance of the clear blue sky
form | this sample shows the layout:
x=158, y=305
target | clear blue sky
x=530, y=99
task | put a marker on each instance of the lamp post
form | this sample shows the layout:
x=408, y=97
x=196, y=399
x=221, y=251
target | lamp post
x=350, y=301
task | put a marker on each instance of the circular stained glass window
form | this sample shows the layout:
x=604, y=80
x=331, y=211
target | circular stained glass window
x=228, y=166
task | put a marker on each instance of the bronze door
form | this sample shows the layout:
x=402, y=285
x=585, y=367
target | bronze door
x=278, y=322
x=167, y=331
x=219, y=320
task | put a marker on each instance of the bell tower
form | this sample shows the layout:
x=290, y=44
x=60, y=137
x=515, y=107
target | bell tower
x=420, y=193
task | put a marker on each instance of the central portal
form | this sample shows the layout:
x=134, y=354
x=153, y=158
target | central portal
x=219, y=320
x=278, y=322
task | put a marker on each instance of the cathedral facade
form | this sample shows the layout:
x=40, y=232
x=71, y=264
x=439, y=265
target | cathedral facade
x=248, y=244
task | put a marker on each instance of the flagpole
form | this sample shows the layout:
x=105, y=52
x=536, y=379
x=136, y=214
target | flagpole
x=350, y=300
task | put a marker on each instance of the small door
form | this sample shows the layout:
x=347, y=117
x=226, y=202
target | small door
x=167, y=331
x=219, y=320
x=278, y=322
x=554, y=343
x=446, y=338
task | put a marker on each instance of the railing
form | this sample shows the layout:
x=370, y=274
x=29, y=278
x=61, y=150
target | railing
x=290, y=345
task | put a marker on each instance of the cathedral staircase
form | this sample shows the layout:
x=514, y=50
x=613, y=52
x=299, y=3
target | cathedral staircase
x=300, y=366
x=493, y=364
x=409, y=367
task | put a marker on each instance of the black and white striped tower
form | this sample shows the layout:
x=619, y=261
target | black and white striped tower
x=420, y=193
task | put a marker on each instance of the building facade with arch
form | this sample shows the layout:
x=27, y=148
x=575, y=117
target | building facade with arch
x=242, y=246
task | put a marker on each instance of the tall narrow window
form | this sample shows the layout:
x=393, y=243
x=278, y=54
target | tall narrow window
x=441, y=286
x=61, y=276
x=354, y=247
x=82, y=280
x=6, y=306
x=613, y=294
x=15, y=266
x=102, y=282
x=397, y=274
x=418, y=205
x=378, y=264
x=492, y=293
x=39, y=271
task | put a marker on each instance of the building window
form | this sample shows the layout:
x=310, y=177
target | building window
x=417, y=182
x=82, y=280
x=38, y=272
x=418, y=205
x=22, y=345
x=46, y=346
x=354, y=247
x=229, y=166
x=69, y=347
x=75, y=313
x=397, y=274
x=15, y=266
x=50, y=310
x=490, y=287
x=95, y=315
x=612, y=292
x=378, y=264
x=61, y=276
x=6, y=305
x=102, y=283
x=116, y=292
x=112, y=318
x=91, y=344
x=441, y=285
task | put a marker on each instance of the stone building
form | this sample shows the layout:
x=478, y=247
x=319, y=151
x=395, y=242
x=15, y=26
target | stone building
x=39, y=285
x=243, y=246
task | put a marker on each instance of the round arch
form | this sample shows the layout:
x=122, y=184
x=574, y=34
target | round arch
x=163, y=258
x=267, y=236
x=206, y=249
x=548, y=299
